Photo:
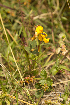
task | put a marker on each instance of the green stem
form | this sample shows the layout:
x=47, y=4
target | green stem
x=27, y=57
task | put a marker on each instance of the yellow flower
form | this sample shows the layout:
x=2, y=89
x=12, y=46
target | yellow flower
x=40, y=34
x=43, y=33
x=32, y=50
x=39, y=30
x=43, y=36
x=46, y=40
x=33, y=38
x=40, y=37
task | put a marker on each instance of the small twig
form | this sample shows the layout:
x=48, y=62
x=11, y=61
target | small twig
x=2, y=66
x=60, y=82
x=43, y=15
x=11, y=36
x=52, y=28
x=7, y=7
x=50, y=57
x=46, y=14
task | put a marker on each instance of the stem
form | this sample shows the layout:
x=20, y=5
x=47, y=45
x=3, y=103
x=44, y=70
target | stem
x=10, y=47
x=27, y=57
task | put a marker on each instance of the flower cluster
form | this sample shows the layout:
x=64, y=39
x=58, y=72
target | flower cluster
x=29, y=79
x=45, y=87
x=40, y=34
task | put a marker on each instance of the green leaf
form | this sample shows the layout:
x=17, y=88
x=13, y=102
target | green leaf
x=34, y=72
x=54, y=71
x=39, y=93
x=48, y=63
x=35, y=52
x=20, y=31
x=42, y=82
x=3, y=103
x=38, y=86
x=49, y=81
x=8, y=49
x=65, y=97
x=32, y=43
x=11, y=58
x=27, y=49
x=3, y=87
x=17, y=98
x=64, y=18
x=64, y=67
x=24, y=32
x=8, y=102
x=43, y=74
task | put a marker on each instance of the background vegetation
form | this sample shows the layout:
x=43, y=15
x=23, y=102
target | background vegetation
x=26, y=75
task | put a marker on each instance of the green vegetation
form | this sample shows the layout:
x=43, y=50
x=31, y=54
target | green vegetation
x=35, y=52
